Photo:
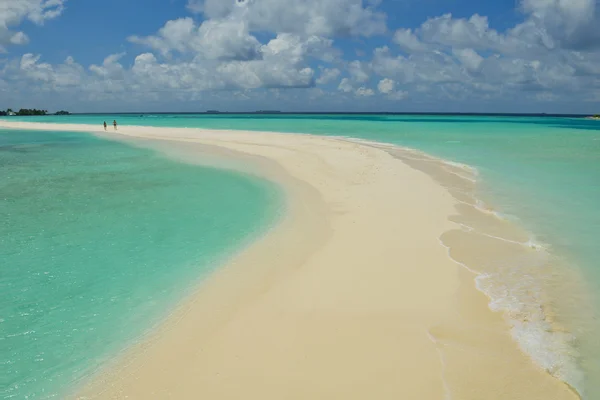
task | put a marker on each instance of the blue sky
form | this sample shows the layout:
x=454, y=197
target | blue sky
x=338, y=55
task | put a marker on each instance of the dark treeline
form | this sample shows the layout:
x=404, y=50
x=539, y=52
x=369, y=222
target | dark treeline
x=30, y=111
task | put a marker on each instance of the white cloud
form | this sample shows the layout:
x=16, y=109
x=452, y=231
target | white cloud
x=364, y=92
x=386, y=86
x=469, y=58
x=408, y=41
x=13, y=12
x=572, y=23
x=446, y=30
x=176, y=35
x=226, y=39
x=358, y=71
x=345, y=86
x=553, y=54
x=195, y=76
x=328, y=75
x=295, y=48
x=308, y=17
x=551, y=50
x=221, y=53
x=19, y=38
x=50, y=77
x=110, y=68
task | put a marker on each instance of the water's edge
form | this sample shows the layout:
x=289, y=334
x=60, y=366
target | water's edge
x=507, y=256
x=187, y=154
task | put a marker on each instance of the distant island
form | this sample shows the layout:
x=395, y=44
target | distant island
x=30, y=112
x=213, y=111
x=596, y=117
x=267, y=112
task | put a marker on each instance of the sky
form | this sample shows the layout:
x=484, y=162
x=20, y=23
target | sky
x=305, y=55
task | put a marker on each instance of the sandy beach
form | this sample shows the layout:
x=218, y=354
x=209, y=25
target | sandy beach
x=353, y=295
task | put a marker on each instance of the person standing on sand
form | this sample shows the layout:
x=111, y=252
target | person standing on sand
x=104, y=125
x=115, y=124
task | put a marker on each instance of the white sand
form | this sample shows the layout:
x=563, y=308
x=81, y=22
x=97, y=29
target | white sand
x=352, y=296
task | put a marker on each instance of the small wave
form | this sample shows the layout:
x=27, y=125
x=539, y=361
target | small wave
x=484, y=208
x=531, y=243
x=371, y=142
x=518, y=297
x=472, y=180
x=518, y=292
x=466, y=167
x=447, y=393
x=465, y=266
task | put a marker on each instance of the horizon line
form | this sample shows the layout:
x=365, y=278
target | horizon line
x=275, y=112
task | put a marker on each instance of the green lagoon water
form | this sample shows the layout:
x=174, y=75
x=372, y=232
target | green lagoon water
x=98, y=240
x=544, y=172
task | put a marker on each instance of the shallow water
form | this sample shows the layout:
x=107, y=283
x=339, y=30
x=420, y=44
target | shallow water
x=541, y=172
x=98, y=240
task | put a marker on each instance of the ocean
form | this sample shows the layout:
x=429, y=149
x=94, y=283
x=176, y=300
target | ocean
x=542, y=173
x=99, y=240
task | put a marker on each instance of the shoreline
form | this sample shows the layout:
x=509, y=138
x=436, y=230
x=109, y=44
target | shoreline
x=434, y=319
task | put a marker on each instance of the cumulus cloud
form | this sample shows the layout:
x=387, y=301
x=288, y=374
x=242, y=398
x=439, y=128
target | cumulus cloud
x=226, y=39
x=364, y=92
x=13, y=12
x=308, y=17
x=19, y=38
x=254, y=48
x=50, y=77
x=221, y=53
x=550, y=25
x=408, y=41
x=328, y=75
x=195, y=76
x=345, y=86
x=469, y=58
x=280, y=65
x=110, y=68
x=551, y=50
x=573, y=24
x=386, y=86
x=358, y=71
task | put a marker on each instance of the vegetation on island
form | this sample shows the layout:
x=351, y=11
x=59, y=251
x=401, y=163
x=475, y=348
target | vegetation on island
x=29, y=112
x=596, y=116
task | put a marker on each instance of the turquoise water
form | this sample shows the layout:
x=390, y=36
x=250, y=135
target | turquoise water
x=97, y=241
x=544, y=171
